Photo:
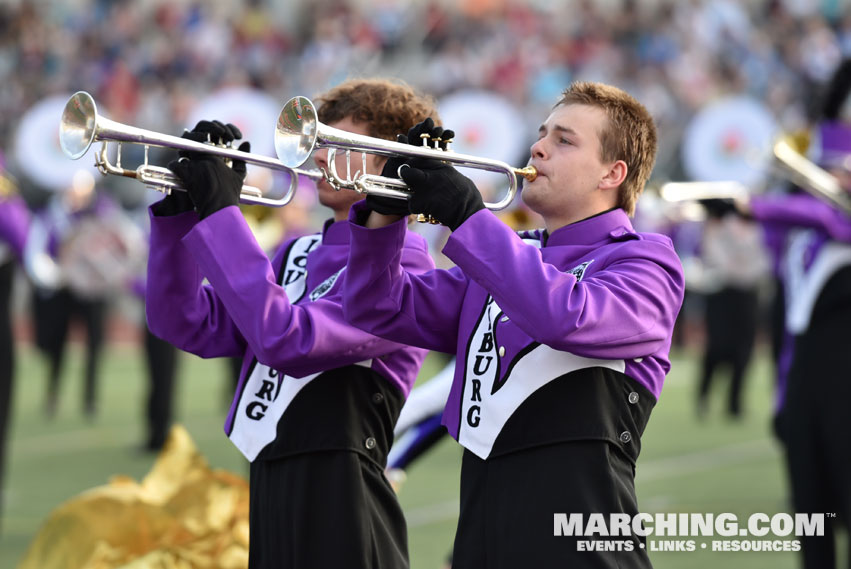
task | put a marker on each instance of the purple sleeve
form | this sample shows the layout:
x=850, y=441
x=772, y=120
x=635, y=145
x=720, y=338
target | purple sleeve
x=383, y=298
x=302, y=338
x=774, y=238
x=625, y=309
x=802, y=210
x=14, y=224
x=178, y=307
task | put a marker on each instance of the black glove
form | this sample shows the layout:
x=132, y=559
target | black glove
x=211, y=184
x=214, y=132
x=175, y=203
x=440, y=191
x=393, y=206
x=386, y=205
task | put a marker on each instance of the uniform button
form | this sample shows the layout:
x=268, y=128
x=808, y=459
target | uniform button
x=625, y=437
x=633, y=397
x=504, y=319
x=377, y=398
x=369, y=443
x=501, y=351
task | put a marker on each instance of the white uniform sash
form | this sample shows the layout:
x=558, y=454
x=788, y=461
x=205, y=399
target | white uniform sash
x=268, y=392
x=485, y=405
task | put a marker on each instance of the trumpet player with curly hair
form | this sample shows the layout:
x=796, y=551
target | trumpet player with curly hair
x=317, y=398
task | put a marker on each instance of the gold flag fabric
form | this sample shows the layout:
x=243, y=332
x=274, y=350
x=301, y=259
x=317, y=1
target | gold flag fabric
x=183, y=515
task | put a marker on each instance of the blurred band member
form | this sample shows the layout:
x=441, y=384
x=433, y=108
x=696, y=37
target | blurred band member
x=734, y=263
x=14, y=226
x=815, y=365
x=56, y=305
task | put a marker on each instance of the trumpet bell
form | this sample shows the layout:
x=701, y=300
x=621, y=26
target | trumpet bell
x=81, y=126
x=77, y=127
x=295, y=132
x=36, y=150
x=299, y=132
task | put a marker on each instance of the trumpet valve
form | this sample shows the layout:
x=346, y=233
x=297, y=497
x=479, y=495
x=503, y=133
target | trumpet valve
x=423, y=218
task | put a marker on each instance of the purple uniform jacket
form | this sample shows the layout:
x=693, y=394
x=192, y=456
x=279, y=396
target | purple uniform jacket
x=813, y=242
x=14, y=224
x=597, y=294
x=247, y=313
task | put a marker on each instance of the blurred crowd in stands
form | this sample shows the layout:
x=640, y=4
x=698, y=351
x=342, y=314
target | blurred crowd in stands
x=148, y=62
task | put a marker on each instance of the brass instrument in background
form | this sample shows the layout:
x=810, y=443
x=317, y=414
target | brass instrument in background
x=697, y=191
x=299, y=133
x=787, y=163
x=8, y=186
x=81, y=126
x=809, y=176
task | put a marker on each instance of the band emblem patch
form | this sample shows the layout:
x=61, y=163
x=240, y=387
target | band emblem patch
x=579, y=270
x=325, y=286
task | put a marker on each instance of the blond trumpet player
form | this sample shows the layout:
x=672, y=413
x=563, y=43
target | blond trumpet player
x=561, y=335
x=317, y=398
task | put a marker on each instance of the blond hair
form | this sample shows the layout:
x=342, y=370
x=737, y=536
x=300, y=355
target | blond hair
x=629, y=135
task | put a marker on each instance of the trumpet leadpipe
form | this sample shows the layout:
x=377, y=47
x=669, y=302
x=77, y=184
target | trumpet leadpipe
x=299, y=132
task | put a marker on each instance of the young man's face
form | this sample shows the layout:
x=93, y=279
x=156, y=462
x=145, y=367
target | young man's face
x=570, y=172
x=341, y=201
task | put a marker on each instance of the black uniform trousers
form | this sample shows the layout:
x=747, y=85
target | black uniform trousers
x=508, y=505
x=319, y=498
x=731, y=326
x=813, y=423
x=324, y=510
x=569, y=448
x=53, y=313
x=161, y=361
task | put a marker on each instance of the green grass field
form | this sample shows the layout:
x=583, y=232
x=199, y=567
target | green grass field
x=686, y=465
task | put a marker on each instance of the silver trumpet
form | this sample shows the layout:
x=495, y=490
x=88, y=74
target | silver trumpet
x=81, y=126
x=299, y=133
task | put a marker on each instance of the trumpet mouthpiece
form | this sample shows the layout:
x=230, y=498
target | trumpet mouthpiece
x=529, y=172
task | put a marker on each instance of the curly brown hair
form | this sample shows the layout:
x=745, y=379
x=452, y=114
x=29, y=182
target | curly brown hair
x=386, y=106
x=630, y=134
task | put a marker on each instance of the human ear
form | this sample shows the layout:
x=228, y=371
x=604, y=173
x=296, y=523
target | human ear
x=615, y=176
